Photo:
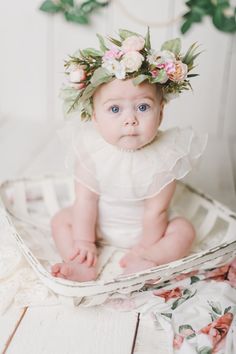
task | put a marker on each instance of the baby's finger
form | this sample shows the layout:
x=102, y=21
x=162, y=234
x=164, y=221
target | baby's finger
x=90, y=258
x=95, y=261
x=82, y=256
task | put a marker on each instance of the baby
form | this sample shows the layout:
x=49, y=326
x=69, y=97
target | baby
x=125, y=167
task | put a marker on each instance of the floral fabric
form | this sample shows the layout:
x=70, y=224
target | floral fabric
x=198, y=311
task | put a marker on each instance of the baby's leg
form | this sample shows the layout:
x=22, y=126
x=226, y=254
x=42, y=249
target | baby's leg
x=61, y=226
x=175, y=244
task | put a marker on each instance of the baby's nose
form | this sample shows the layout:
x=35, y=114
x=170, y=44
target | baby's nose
x=130, y=120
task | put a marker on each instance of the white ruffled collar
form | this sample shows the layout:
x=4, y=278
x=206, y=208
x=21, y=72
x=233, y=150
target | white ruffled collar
x=133, y=175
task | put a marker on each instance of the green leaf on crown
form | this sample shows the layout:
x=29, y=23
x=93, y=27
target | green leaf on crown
x=173, y=45
x=100, y=76
x=139, y=79
x=90, y=52
x=115, y=41
x=147, y=40
x=103, y=47
x=125, y=34
x=87, y=93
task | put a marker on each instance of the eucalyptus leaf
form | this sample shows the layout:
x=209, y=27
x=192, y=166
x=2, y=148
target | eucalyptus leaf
x=49, y=6
x=76, y=17
x=115, y=41
x=100, y=76
x=125, y=34
x=91, y=52
x=102, y=43
x=67, y=2
x=87, y=93
x=173, y=45
x=147, y=40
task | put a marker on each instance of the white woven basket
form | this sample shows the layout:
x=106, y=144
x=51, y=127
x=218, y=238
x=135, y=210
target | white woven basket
x=26, y=206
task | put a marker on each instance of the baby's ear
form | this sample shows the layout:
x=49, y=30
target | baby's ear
x=93, y=117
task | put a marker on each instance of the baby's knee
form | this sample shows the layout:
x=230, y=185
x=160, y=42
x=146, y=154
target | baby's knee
x=185, y=228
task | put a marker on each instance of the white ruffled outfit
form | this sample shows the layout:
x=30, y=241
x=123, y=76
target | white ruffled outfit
x=124, y=178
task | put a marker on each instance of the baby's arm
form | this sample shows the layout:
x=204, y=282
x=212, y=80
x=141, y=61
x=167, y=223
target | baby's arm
x=84, y=216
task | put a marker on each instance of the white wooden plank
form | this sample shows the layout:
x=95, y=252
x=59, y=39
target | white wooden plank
x=150, y=338
x=8, y=324
x=69, y=330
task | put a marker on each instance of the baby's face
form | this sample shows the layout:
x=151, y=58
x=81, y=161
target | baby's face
x=127, y=116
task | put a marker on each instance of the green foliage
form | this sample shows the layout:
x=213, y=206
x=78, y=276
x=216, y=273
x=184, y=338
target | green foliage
x=72, y=12
x=221, y=12
x=174, y=45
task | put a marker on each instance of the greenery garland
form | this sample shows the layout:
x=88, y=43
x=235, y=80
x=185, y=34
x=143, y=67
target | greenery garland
x=222, y=13
x=72, y=11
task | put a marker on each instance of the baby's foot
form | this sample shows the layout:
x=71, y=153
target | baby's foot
x=73, y=270
x=131, y=256
x=138, y=265
x=134, y=262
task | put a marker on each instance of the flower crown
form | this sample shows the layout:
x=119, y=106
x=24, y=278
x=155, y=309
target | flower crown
x=131, y=56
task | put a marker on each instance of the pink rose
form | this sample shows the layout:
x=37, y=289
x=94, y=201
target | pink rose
x=132, y=61
x=218, y=329
x=168, y=294
x=177, y=342
x=180, y=72
x=113, y=53
x=133, y=43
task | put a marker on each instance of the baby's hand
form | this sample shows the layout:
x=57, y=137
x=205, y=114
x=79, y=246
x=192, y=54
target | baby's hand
x=85, y=251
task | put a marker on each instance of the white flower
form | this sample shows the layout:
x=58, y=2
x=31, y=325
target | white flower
x=115, y=67
x=77, y=75
x=132, y=61
x=160, y=57
x=133, y=43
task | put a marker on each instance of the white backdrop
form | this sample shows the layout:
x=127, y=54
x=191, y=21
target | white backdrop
x=34, y=45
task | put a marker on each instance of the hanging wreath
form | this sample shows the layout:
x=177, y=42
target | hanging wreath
x=222, y=13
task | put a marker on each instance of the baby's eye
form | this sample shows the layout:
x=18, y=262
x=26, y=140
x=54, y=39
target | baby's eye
x=114, y=109
x=143, y=107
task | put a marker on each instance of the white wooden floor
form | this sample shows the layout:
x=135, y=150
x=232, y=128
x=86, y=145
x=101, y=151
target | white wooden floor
x=29, y=149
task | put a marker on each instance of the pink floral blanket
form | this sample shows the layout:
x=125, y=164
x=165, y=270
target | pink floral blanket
x=200, y=311
x=197, y=310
